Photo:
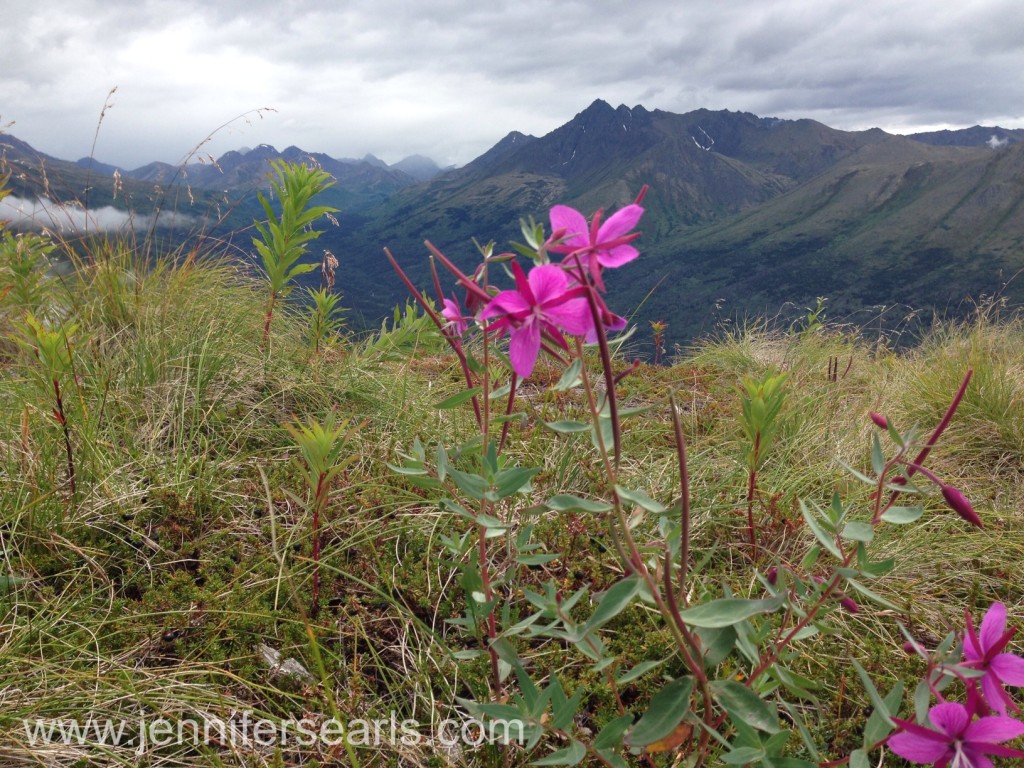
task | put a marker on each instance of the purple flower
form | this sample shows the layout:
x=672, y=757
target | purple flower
x=984, y=651
x=880, y=421
x=456, y=321
x=542, y=301
x=596, y=245
x=956, y=741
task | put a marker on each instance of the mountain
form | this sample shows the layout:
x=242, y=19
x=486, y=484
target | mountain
x=745, y=215
x=752, y=211
x=419, y=167
x=977, y=136
x=359, y=184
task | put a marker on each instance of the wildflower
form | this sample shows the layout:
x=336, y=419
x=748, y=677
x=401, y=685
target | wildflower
x=880, y=421
x=959, y=504
x=983, y=651
x=542, y=301
x=597, y=245
x=456, y=321
x=956, y=741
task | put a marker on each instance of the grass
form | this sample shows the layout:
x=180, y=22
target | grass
x=188, y=544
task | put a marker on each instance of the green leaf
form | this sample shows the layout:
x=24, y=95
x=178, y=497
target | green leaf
x=567, y=503
x=540, y=559
x=6, y=582
x=472, y=485
x=856, y=531
x=878, y=726
x=903, y=515
x=613, y=758
x=922, y=698
x=492, y=710
x=441, y=460
x=458, y=398
x=869, y=687
x=742, y=756
x=500, y=392
x=728, y=611
x=638, y=671
x=859, y=475
x=405, y=470
x=877, y=457
x=641, y=499
x=571, y=377
x=859, y=759
x=823, y=538
x=567, y=427
x=667, y=709
x=571, y=755
x=716, y=644
x=872, y=595
x=513, y=480
x=743, y=704
x=603, y=435
x=613, y=602
x=611, y=734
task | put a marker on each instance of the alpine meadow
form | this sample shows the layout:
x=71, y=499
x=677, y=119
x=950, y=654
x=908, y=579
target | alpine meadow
x=659, y=440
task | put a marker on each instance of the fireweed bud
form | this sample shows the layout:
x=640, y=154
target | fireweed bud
x=879, y=419
x=850, y=604
x=914, y=648
x=959, y=504
x=772, y=575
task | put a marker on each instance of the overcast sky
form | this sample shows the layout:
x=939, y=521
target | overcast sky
x=449, y=78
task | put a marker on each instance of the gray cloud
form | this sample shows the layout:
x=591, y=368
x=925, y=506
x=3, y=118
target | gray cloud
x=449, y=78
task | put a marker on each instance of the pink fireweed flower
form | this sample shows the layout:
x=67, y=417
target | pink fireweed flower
x=543, y=301
x=983, y=650
x=956, y=741
x=457, y=322
x=596, y=245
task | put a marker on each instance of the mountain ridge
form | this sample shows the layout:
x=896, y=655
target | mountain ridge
x=753, y=211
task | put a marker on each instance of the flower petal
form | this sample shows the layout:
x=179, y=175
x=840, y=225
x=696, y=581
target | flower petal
x=950, y=718
x=918, y=749
x=547, y=282
x=620, y=223
x=993, y=626
x=994, y=694
x=1008, y=668
x=505, y=303
x=573, y=317
x=577, y=233
x=617, y=256
x=977, y=759
x=993, y=730
x=524, y=347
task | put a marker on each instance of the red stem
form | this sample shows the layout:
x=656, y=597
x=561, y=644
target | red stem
x=72, y=485
x=751, y=488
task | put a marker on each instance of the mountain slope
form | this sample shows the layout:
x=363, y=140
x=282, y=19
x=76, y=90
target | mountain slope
x=754, y=211
x=745, y=215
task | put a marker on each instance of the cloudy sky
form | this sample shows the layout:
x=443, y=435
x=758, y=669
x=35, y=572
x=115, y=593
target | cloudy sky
x=449, y=78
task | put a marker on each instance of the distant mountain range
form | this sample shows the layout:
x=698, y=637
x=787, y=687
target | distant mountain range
x=745, y=215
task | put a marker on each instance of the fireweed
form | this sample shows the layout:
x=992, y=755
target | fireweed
x=701, y=707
